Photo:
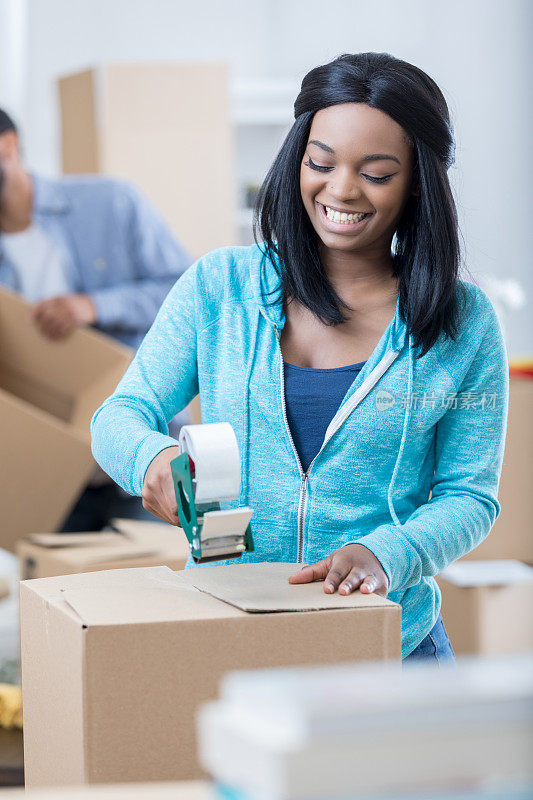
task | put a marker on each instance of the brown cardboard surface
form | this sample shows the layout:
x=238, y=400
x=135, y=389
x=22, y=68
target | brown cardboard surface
x=44, y=555
x=512, y=533
x=182, y=790
x=159, y=534
x=265, y=587
x=4, y=587
x=44, y=466
x=99, y=109
x=71, y=539
x=141, y=527
x=79, y=135
x=48, y=393
x=143, y=648
x=488, y=620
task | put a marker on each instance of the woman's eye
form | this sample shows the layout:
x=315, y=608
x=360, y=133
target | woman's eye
x=316, y=166
x=372, y=178
x=377, y=180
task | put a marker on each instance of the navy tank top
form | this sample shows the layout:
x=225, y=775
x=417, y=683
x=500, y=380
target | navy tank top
x=312, y=398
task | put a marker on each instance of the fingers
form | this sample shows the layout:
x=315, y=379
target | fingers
x=313, y=572
x=334, y=571
x=160, y=507
x=369, y=584
x=159, y=512
x=335, y=575
x=158, y=494
x=161, y=502
x=352, y=581
x=375, y=584
x=351, y=567
x=53, y=318
x=55, y=329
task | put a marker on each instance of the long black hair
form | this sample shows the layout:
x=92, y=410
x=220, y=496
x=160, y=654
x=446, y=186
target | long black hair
x=426, y=257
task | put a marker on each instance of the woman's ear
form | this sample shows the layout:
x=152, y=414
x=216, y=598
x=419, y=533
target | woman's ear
x=415, y=188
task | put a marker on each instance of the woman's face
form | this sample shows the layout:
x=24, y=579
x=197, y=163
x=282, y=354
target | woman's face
x=337, y=176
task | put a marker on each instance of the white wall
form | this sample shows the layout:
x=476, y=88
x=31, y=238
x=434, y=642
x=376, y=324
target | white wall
x=478, y=51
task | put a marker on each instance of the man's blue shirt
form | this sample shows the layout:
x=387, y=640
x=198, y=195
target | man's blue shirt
x=115, y=246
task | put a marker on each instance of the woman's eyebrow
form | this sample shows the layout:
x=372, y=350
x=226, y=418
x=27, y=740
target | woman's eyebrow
x=373, y=157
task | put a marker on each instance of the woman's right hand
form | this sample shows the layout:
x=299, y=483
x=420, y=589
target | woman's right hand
x=158, y=495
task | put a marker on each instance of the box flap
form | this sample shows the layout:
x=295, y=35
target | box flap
x=157, y=594
x=130, y=596
x=265, y=587
x=501, y=572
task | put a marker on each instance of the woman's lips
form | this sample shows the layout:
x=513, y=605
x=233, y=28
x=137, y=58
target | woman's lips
x=341, y=227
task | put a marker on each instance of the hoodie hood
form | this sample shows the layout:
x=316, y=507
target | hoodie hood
x=266, y=284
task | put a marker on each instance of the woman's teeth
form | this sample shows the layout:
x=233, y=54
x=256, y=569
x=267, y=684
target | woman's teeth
x=342, y=217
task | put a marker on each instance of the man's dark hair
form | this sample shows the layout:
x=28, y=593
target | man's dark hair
x=6, y=123
x=426, y=256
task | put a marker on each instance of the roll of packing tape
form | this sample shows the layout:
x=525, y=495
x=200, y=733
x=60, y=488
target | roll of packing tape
x=213, y=448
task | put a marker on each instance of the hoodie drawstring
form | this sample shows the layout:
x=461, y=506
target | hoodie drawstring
x=246, y=418
x=407, y=416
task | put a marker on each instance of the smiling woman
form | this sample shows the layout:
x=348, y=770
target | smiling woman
x=372, y=136
x=337, y=357
x=343, y=187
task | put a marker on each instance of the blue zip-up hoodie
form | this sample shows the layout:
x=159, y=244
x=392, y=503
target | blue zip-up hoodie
x=406, y=427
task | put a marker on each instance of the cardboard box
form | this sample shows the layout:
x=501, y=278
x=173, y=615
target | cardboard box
x=183, y=790
x=487, y=606
x=5, y=588
x=48, y=394
x=133, y=544
x=116, y=119
x=115, y=664
x=167, y=128
x=512, y=534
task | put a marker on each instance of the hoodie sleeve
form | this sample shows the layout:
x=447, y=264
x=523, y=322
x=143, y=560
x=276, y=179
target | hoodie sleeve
x=469, y=448
x=131, y=427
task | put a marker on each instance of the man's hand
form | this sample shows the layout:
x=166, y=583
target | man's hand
x=57, y=316
x=352, y=567
x=158, y=495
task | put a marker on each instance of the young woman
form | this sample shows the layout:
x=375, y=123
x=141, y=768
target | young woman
x=367, y=384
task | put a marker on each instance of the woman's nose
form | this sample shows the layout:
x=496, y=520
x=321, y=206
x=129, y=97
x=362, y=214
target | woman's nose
x=344, y=186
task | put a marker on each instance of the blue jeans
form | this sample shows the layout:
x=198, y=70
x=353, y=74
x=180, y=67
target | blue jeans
x=435, y=647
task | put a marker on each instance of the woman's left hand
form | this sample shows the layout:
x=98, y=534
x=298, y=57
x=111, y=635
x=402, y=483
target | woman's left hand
x=351, y=567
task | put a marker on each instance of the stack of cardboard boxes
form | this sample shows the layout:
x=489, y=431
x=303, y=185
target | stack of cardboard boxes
x=487, y=597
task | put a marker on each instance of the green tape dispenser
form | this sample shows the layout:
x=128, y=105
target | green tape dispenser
x=207, y=472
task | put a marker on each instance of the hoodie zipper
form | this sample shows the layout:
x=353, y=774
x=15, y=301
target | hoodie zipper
x=335, y=424
x=302, y=502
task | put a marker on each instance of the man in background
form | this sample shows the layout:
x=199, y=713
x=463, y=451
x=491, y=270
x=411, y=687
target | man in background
x=85, y=250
